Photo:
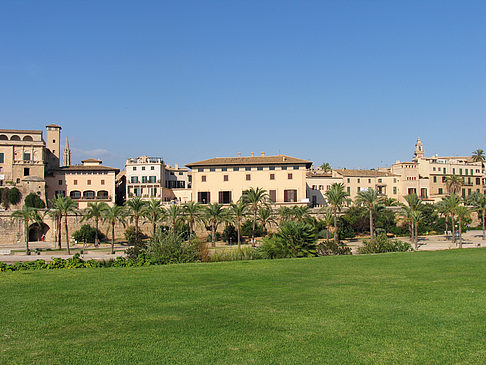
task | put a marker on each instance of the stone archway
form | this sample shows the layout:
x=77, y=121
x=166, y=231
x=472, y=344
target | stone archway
x=37, y=231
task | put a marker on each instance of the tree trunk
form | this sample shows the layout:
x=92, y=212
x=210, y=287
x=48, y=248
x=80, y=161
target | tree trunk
x=154, y=228
x=239, y=234
x=254, y=225
x=26, y=226
x=460, y=233
x=67, y=234
x=371, y=223
x=112, y=238
x=453, y=229
x=416, y=235
x=59, y=233
x=97, y=242
x=213, y=235
x=335, y=227
x=136, y=227
x=484, y=235
x=446, y=226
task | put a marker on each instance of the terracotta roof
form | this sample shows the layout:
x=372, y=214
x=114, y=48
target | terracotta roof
x=54, y=125
x=87, y=168
x=255, y=160
x=316, y=173
x=21, y=131
x=363, y=173
x=171, y=168
x=92, y=160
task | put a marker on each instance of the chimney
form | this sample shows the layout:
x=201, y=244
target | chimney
x=252, y=154
x=263, y=154
x=176, y=166
x=284, y=158
x=239, y=154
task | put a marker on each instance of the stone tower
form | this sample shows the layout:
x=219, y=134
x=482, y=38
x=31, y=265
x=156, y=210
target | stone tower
x=66, y=158
x=419, y=149
x=53, y=145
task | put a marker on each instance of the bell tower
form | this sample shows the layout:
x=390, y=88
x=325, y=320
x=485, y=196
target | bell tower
x=419, y=149
x=66, y=158
x=53, y=145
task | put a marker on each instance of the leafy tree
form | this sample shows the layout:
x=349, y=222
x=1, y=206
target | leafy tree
x=174, y=216
x=94, y=211
x=327, y=220
x=34, y=201
x=237, y=212
x=87, y=234
x=27, y=215
x=214, y=214
x=154, y=212
x=450, y=205
x=255, y=198
x=112, y=216
x=14, y=196
x=136, y=207
x=370, y=199
x=478, y=202
x=337, y=198
x=462, y=213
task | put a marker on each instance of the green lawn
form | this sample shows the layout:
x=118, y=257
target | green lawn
x=427, y=307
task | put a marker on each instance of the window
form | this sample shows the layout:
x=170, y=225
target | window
x=321, y=187
x=284, y=167
x=102, y=182
x=143, y=168
x=433, y=169
x=248, y=177
x=290, y=176
x=460, y=171
x=134, y=168
x=349, y=180
x=224, y=197
x=359, y=180
x=152, y=179
x=75, y=182
x=260, y=168
x=271, y=168
x=203, y=178
x=380, y=181
x=224, y=169
x=478, y=181
x=225, y=177
x=152, y=167
x=204, y=197
x=314, y=187
x=26, y=171
x=59, y=182
x=290, y=196
x=144, y=179
x=89, y=194
x=272, y=176
x=441, y=191
x=75, y=194
x=212, y=169
x=395, y=190
x=296, y=167
x=272, y=194
x=134, y=179
x=369, y=181
x=348, y=189
x=236, y=169
x=200, y=170
x=444, y=171
x=181, y=173
x=26, y=156
x=358, y=189
x=247, y=168
x=89, y=182
x=435, y=179
x=1, y=157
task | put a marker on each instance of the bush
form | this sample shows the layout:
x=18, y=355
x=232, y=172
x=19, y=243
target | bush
x=34, y=201
x=169, y=248
x=230, y=235
x=131, y=235
x=209, y=238
x=293, y=239
x=87, y=234
x=235, y=254
x=138, y=249
x=247, y=229
x=382, y=243
x=14, y=196
x=4, y=197
x=328, y=247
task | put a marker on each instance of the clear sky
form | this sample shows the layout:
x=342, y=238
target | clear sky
x=352, y=83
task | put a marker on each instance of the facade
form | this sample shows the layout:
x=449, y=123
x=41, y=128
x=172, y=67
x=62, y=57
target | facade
x=318, y=182
x=384, y=182
x=177, y=184
x=85, y=183
x=145, y=177
x=223, y=180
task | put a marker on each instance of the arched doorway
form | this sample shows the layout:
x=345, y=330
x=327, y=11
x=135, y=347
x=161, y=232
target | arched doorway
x=36, y=231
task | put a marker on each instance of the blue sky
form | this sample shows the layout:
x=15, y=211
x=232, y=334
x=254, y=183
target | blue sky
x=352, y=83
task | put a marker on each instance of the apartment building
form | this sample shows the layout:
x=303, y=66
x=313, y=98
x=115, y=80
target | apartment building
x=85, y=183
x=383, y=182
x=224, y=179
x=177, y=184
x=145, y=177
x=318, y=182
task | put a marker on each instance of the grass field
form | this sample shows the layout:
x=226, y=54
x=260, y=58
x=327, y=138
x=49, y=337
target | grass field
x=427, y=307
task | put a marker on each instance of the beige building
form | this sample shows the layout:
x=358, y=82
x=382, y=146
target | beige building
x=85, y=183
x=224, y=179
x=426, y=176
x=145, y=177
x=177, y=184
x=318, y=182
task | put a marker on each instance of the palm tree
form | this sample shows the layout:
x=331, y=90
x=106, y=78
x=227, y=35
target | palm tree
x=174, y=216
x=327, y=219
x=337, y=198
x=192, y=213
x=214, y=214
x=95, y=211
x=371, y=199
x=237, y=212
x=442, y=209
x=478, y=156
x=255, y=198
x=478, y=201
x=56, y=214
x=463, y=213
x=451, y=203
x=284, y=213
x=454, y=183
x=300, y=213
x=326, y=167
x=153, y=212
x=390, y=202
x=28, y=215
x=413, y=215
x=136, y=208
x=66, y=205
x=112, y=216
x=265, y=216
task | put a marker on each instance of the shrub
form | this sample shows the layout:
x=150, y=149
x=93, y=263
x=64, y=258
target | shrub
x=14, y=196
x=382, y=243
x=131, y=235
x=170, y=247
x=4, y=198
x=209, y=238
x=293, y=239
x=235, y=254
x=230, y=234
x=328, y=247
x=138, y=249
x=247, y=229
x=34, y=201
x=87, y=234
